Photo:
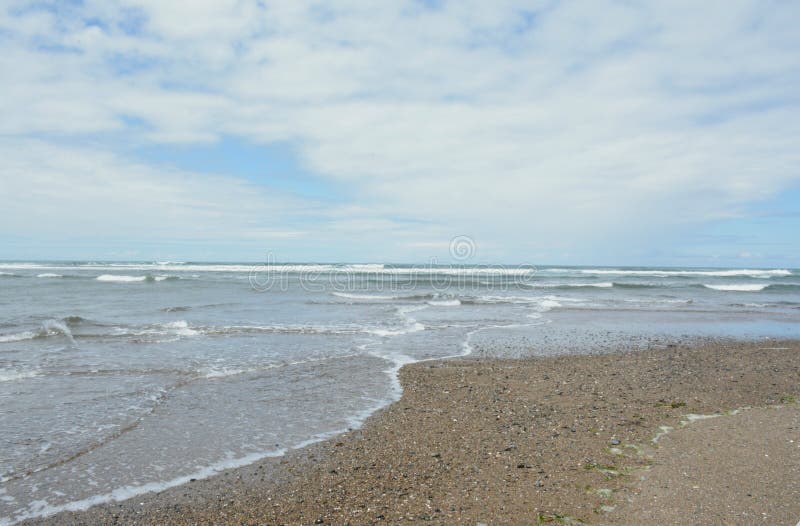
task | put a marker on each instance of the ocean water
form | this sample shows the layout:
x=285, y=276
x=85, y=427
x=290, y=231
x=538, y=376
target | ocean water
x=122, y=378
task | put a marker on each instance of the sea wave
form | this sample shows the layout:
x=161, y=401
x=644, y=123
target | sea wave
x=522, y=300
x=19, y=336
x=309, y=268
x=387, y=297
x=738, y=287
x=753, y=273
x=410, y=326
x=49, y=275
x=600, y=285
x=120, y=279
x=47, y=329
x=282, y=329
x=350, y=296
x=116, y=278
x=444, y=303
x=13, y=375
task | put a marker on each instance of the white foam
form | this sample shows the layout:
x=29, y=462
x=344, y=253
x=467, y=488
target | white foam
x=548, y=304
x=507, y=299
x=753, y=273
x=444, y=303
x=414, y=327
x=365, y=268
x=120, y=279
x=362, y=296
x=286, y=329
x=17, y=337
x=222, y=372
x=49, y=275
x=12, y=375
x=51, y=327
x=181, y=328
x=603, y=285
x=42, y=508
x=738, y=287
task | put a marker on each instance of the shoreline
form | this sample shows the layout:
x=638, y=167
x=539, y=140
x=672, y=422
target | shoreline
x=291, y=489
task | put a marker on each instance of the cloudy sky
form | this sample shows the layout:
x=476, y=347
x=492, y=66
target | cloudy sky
x=582, y=132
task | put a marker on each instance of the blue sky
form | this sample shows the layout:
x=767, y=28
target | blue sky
x=229, y=130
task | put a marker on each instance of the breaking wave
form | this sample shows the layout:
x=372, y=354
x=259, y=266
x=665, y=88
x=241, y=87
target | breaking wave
x=752, y=273
x=13, y=375
x=738, y=287
x=115, y=278
x=47, y=329
x=602, y=285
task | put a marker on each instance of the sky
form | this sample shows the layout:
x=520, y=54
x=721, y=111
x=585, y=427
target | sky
x=575, y=132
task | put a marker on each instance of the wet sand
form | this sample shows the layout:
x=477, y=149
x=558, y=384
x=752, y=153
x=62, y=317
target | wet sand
x=560, y=439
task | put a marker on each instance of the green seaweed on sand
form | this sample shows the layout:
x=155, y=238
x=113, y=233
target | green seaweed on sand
x=551, y=518
x=607, y=469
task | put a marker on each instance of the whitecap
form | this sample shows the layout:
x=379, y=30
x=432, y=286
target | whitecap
x=50, y=275
x=444, y=303
x=738, y=287
x=363, y=296
x=17, y=337
x=120, y=279
x=13, y=375
x=548, y=304
x=181, y=328
x=48, y=328
x=602, y=285
x=753, y=273
x=414, y=327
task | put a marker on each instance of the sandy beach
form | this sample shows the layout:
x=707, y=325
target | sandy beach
x=707, y=434
x=353, y=263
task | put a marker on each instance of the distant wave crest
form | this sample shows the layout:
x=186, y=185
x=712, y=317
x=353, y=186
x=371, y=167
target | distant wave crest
x=116, y=278
x=752, y=273
x=748, y=287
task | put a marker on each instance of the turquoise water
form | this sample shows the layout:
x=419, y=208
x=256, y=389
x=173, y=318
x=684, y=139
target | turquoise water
x=122, y=378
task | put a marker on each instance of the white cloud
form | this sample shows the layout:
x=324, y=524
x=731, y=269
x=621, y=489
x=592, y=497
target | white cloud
x=48, y=191
x=549, y=128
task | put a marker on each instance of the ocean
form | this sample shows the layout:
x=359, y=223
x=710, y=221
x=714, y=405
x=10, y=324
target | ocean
x=121, y=378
